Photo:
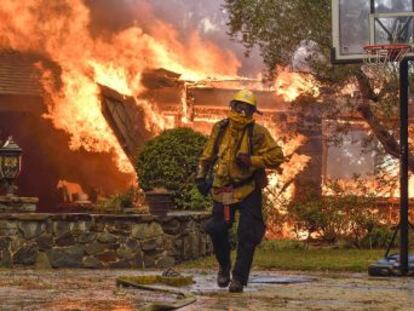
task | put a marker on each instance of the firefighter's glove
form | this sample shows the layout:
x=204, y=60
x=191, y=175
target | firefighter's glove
x=203, y=186
x=243, y=160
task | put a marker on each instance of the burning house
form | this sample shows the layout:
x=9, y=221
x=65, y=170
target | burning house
x=54, y=172
x=90, y=105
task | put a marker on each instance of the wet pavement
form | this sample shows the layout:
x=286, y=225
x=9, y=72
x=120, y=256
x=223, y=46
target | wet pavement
x=93, y=290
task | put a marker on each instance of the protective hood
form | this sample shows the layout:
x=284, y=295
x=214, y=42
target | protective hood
x=239, y=120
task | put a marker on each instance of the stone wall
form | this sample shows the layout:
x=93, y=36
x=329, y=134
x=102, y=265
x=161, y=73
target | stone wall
x=101, y=241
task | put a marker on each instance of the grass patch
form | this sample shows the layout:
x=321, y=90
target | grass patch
x=292, y=255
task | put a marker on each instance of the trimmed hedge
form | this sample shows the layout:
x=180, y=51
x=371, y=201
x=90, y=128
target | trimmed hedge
x=170, y=161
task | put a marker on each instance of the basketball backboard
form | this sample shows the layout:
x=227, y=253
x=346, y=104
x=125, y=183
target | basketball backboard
x=357, y=23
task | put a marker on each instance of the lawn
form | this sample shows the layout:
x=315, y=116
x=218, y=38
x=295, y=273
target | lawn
x=289, y=255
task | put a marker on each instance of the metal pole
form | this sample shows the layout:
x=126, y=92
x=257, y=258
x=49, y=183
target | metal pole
x=404, y=166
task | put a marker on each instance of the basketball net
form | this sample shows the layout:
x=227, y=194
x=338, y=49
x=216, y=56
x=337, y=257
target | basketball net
x=382, y=60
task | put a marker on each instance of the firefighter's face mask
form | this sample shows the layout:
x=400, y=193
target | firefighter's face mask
x=242, y=108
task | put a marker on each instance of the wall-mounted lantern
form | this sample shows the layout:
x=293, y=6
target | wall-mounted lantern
x=10, y=164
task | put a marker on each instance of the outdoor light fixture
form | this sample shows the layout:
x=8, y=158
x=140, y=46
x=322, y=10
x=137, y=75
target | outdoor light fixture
x=10, y=164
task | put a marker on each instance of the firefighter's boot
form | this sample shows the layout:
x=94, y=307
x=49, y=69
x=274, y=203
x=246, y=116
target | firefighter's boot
x=235, y=286
x=223, y=277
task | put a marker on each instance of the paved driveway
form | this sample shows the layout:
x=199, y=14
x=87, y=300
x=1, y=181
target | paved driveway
x=93, y=290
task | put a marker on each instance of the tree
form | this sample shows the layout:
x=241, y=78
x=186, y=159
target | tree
x=277, y=27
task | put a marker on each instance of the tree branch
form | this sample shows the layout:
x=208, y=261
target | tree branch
x=387, y=140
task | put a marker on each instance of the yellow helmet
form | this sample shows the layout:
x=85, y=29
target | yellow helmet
x=247, y=97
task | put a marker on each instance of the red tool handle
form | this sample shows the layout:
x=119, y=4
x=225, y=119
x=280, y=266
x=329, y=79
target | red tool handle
x=227, y=213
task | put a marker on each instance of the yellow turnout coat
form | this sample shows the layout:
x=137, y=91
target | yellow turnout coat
x=266, y=153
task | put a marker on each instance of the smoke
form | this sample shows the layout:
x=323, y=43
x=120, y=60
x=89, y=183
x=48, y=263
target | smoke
x=208, y=18
x=112, y=16
x=306, y=55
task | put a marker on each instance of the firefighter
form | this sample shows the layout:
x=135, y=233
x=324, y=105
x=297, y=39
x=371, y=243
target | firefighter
x=231, y=168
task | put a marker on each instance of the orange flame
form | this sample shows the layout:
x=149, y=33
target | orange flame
x=290, y=85
x=59, y=31
x=281, y=188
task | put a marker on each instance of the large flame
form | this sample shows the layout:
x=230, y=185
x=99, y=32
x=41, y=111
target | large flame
x=59, y=30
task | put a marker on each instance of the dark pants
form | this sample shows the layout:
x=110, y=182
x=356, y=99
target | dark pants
x=249, y=234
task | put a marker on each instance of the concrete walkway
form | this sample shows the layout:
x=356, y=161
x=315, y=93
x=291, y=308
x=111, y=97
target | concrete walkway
x=93, y=290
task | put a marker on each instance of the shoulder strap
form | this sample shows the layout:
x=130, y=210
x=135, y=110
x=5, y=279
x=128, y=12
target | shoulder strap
x=222, y=127
x=250, y=129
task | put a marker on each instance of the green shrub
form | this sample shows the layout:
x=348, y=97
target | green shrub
x=133, y=197
x=339, y=216
x=319, y=216
x=191, y=198
x=170, y=161
x=378, y=237
x=381, y=235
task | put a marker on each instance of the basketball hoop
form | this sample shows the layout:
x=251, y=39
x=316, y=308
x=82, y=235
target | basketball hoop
x=383, y=41
x=384, y=59
x=385, y=53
